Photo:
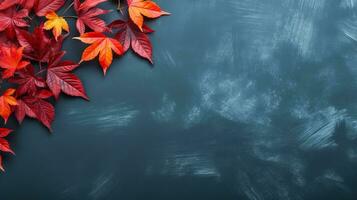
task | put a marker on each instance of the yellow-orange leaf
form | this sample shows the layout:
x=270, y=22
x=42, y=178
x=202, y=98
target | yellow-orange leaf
x=140, y=8
x=6, y=101
x=102, y=45
x=56, y=23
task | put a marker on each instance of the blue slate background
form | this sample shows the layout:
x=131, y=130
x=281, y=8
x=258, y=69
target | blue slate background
x=248, y=99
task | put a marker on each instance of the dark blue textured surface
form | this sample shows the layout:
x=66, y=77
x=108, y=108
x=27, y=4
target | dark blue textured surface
x=248, y=99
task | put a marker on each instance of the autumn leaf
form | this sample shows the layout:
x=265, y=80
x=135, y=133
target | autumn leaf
x=23, y=109
x=42, y=7
x=8, y=3
x=140, y=8
x=27, y=4
x=100, y=45
x=129, y=35
x=25, y=106
x=88, y=4
x=36, y=107
x=4, y=144
x=11, y=60
x=4, y=132
x=27, y=81
x=88, y=15
x=38, y=45
x=6, y=101
x=11, y=19
x=60, y=79
x=56, y=23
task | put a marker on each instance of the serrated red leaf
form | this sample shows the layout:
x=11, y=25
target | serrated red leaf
x=129, y=35
x=27, y=4
x=28, y=82
x=42, y=7
x=6, y=101
x=39, y=109
x=88, y=4
x=88, y=16
x=22, y=110
x=5, y=4
x=44, y=94
x=60, y=79
x=38, y=45
x=4, y=132
x=5, y=146
x=11, y=60
x=11, y=19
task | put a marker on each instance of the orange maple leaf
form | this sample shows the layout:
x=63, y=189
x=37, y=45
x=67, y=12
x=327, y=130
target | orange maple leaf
x=11, y=60
x=140, y=8
x=102, y=45
x=6, y=101
x=56, y=23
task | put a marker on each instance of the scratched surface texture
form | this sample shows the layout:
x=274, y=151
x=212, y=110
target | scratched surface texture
x=248, y=99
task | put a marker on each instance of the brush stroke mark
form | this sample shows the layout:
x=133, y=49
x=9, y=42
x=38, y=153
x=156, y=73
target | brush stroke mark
x=103, y=118
x=167, y=110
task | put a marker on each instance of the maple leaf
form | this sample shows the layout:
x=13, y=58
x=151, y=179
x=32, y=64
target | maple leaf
x=6, y=101
x=140, y=8
x=59, y=79
x=28, y=4
x=88, y=16
x=56, y=23
x=38, y=46
x=102, y=45
x=36, y=107
x=129, y=35
x=28, y=82
x=4, y=144
x=11, y=60
x=42, y=7
x=22, y=110
x=8, y=3
x=11, y=19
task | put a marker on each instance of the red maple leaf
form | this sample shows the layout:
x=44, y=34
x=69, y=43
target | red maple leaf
x=38, y=45
x=42, y=7
x=28, y=4
x=27, y=81
x=35, y=106
x=11, y=19
x=6, y=102
x=129, y=35
x=11, y=60
x=88, y=16
x=60, y=79
x=4, y=144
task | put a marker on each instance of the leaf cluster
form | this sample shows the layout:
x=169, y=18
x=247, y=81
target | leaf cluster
x=32, y=63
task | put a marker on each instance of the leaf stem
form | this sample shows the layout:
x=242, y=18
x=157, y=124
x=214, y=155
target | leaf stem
x=70, y=5
x=39, y=72
x=120, y=7
x=73, y=17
